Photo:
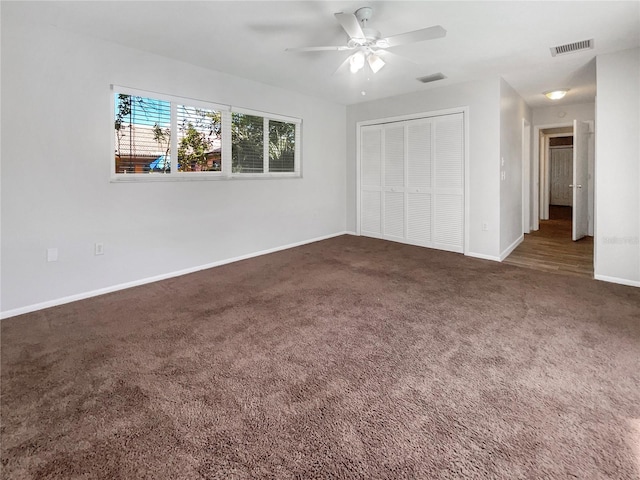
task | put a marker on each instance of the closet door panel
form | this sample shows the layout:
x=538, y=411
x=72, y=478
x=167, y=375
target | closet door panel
x=449, y=161
x=419, y=182
x=449, y=221
x=371, y=208
x=419, y=218
x=419, y=155
x=394, y=156
x=371, y=165
x=394, y=181
x=448, y=232
x=394, y=214
x=371, y=181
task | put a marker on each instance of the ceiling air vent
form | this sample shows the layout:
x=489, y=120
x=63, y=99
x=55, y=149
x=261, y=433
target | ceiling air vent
x=432, y=78
x=572, y=47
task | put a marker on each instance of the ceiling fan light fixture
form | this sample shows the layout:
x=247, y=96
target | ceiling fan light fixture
x=375, y=62
x=556, y=94
x=366, y=43
x=356, y=62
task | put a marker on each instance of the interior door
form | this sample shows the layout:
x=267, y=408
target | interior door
x=419, y=182
x=561, y=176
x=412, y=181
x=448, y=211
x=580, y=224
x=393, y=212
x=371, y=182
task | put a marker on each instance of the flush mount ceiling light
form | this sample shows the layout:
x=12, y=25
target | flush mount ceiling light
x=556, y=94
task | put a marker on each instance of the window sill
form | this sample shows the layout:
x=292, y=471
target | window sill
x=188, y=177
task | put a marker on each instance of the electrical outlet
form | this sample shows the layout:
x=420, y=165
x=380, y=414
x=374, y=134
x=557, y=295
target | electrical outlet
x=99, y=248
x=52, y=254
x=485, y=227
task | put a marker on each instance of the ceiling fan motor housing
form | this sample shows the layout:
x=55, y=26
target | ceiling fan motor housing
x=364, y=14
x=371, y=38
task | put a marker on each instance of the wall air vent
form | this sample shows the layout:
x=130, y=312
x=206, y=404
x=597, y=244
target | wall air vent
x=572, y=47
x=431, y=78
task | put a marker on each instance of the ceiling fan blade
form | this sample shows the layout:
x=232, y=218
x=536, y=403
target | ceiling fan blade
x=416, y=36
x=390, y=56
x=319, y=49
x=350, y=24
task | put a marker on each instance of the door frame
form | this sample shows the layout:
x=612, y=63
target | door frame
x=540, y=145
x=546, y=193
x=526, y=176
x=415, y=116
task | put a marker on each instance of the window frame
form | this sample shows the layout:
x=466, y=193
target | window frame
x=226, y=112
x=265, y=143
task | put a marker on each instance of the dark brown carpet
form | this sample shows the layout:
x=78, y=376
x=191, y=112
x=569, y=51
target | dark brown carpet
x=347, y=358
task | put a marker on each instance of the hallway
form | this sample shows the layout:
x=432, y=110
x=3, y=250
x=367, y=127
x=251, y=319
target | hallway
x=551, y=249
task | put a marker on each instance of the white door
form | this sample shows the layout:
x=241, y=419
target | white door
x=448, y=184
x=561, y=176
x=419, y=182
x=371, y=182
x=580, y=222
x=394, y=181
x=412, y=182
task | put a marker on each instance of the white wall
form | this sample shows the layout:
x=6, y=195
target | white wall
x=512, y=110
x=617, y=174
x=482, y=98
x=57, y=152
x=563, y=114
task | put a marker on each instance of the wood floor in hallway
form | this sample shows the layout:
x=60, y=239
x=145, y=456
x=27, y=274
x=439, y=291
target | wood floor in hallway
x=551, y=249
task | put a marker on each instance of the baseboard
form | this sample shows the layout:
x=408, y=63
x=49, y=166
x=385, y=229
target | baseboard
x=493, y=258
x=122, y=286
x=512, y=247
x=621, y=281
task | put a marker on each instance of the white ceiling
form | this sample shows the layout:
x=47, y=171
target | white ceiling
x=484, y=40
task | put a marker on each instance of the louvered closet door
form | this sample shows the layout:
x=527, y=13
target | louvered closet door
x=448, y=208
x=412, y=182
x=371, y=181
x=419, y=179
x=394, y=181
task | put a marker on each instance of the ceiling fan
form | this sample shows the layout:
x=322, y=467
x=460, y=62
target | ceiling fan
x=368, y=43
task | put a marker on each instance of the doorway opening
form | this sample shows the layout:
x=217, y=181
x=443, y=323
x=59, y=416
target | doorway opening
x=561, y=202
x=563, y=165
x=558, y=195
x=556, y=169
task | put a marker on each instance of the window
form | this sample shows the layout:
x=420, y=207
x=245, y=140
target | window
x=282, y=146
x=206, y=140
x=199, y=139
x=247, y=143
x=142, y=134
